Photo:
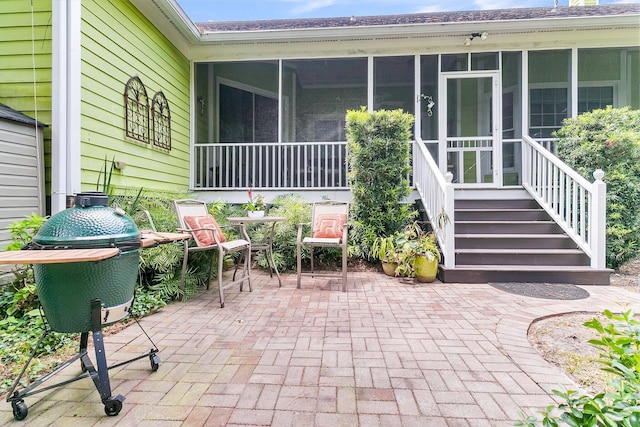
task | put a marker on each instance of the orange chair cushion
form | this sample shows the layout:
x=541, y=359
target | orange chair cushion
x=329, y=226
x=205, y=237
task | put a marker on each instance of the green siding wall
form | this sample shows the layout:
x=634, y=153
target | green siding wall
x=17, y=63
x=119, y=42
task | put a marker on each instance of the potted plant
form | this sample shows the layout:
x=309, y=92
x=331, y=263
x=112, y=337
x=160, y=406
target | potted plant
x=255, y=206
x=385, y=249
x=418, y=253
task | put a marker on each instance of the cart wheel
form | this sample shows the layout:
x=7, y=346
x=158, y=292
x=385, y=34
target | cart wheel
x=155, y=361
x=112, y=407
x=20, y=410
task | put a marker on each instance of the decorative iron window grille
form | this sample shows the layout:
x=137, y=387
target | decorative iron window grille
x=137, y=110
x=161, y=117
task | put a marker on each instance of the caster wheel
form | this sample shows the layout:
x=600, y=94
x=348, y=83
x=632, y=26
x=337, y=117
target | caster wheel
x=155, y=361
x=112, y=407
x=20, y=410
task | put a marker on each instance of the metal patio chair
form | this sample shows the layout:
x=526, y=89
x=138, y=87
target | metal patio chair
x=329, y=230
x=194, y=218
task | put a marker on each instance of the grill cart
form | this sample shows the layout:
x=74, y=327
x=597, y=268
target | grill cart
x=85, y=265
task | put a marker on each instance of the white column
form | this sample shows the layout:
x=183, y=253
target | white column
x=58, y=107
x=74, y=98
x=65, y=102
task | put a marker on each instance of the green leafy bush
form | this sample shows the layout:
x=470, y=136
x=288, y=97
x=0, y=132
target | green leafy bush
x=296, y=210
x=378, y=153
x=620, y=345
x=609, y=139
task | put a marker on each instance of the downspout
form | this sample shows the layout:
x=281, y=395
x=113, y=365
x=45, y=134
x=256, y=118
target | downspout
x=65, y=103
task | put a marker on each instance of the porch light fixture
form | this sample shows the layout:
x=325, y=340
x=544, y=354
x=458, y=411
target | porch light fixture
x=482, y=36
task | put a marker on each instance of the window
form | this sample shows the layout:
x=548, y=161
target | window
x=161, y=121
x=548, y=109
x=593, y=98
x=137, y=110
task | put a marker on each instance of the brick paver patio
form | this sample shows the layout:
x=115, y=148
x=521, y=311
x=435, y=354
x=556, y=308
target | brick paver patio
x=385, y=353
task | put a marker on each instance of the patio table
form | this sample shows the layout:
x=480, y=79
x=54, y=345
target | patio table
x=266, y=244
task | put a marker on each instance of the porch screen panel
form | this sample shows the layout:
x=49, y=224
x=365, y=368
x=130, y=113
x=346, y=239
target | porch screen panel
x=608, y=77
x=511, y=118
x=394, y=83
x=236, y=106
x=549, y=91
x=316, y=94
x=429, y=93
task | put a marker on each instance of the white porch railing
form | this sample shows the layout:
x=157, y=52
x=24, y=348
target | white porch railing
x=300, y=165
x=437, y=194
x=577, y=205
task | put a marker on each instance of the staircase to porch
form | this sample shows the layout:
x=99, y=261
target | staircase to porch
x=515, y=240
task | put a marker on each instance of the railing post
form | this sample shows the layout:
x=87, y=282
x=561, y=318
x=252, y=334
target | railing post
x=598, y=221
x=526, y=162
x=449, y=228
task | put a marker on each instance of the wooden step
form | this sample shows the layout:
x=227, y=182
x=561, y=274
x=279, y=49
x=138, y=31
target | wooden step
x=526, y=256
x=507, y=227
x=501, y=215
x=496, y=204
x=524, y=273
x=514, y=241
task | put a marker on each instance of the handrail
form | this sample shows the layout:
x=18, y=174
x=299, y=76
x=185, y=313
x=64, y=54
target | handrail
x=437, y=194
x=578, y=206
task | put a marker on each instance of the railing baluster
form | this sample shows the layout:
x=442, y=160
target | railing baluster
x=567, y=197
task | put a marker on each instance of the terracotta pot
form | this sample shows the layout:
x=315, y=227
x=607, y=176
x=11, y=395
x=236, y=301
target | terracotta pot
x=425, y=270
x=389, y=268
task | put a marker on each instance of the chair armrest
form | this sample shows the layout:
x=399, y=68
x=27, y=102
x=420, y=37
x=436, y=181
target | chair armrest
x=242, y=229
x=300, y=227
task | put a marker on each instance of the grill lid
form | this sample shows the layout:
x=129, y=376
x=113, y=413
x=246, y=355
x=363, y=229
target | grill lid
x=89, y=224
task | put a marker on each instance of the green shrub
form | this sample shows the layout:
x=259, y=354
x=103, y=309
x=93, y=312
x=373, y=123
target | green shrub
x=609, y=139
x=296, y=210
x=620, y=345
x=378, y=153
